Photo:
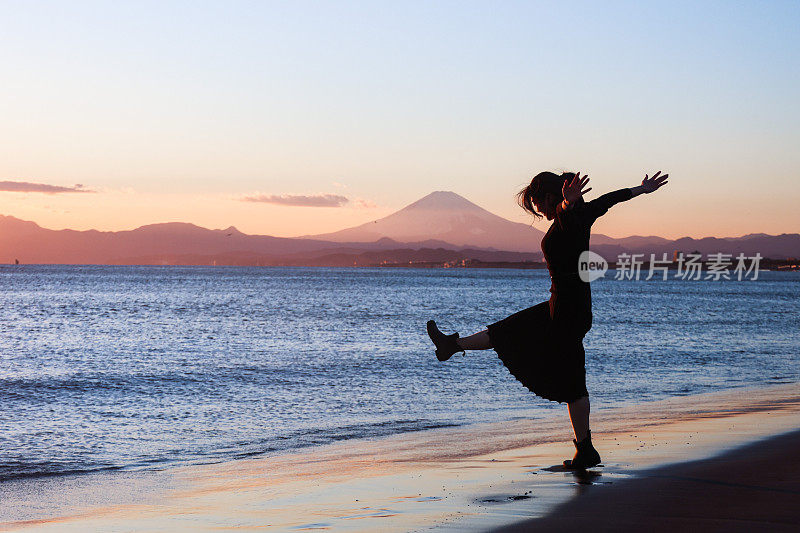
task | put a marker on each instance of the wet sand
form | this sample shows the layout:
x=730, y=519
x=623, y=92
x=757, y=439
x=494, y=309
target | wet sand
x=473, y=478
x=751, y=488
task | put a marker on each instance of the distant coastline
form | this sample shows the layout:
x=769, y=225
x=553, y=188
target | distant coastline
x=786, y=265
x=342, y=261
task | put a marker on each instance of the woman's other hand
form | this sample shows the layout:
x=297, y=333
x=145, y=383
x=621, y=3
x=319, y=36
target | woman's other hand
x=573, y=190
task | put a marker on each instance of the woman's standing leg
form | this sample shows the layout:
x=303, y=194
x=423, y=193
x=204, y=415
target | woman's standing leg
x=585, y=454
x=579, y=416
x=571, y=318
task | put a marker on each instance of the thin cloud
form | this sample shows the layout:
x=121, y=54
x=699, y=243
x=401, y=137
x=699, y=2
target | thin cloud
x=365, y=204
x=316, y=200
x=25, y=186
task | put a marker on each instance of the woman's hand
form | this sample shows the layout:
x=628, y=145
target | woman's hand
x=651, y=184
x=574, y=190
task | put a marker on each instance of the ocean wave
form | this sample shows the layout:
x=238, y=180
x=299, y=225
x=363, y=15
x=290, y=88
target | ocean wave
x=12, y=470
x=292, y=441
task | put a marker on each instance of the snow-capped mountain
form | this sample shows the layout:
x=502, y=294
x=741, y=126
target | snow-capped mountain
x=444, y=216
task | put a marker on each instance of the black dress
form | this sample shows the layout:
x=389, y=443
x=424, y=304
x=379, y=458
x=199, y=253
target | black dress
x=542, y=346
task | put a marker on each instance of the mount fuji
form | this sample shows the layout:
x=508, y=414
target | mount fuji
x=444, y=216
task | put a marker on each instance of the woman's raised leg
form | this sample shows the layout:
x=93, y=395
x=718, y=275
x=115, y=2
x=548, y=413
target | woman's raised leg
x=447, y=345
x=476, y=341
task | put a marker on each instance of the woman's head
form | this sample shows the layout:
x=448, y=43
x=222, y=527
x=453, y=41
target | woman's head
x=543, y=194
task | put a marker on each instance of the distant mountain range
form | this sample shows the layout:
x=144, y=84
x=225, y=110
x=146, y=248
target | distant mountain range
x=441, y=227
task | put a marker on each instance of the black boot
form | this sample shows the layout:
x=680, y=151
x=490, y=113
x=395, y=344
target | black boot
x=585, y=456
x=446, y=345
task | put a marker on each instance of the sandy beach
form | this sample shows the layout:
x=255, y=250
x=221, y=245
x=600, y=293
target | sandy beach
x=471, y=478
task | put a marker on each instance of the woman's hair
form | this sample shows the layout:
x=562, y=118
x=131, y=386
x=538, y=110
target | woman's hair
x=541, y=184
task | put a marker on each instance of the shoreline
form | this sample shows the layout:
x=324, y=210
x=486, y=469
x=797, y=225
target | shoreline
x=475, y=477
x=130, y=470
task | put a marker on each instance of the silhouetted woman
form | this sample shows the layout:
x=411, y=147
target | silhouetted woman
x=542, y=346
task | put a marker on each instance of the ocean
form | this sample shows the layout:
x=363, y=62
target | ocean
x=141, y=368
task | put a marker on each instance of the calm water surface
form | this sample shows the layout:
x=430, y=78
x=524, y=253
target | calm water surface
x=144, y=367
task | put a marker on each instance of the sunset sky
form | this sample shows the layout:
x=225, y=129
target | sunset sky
x=120, y=114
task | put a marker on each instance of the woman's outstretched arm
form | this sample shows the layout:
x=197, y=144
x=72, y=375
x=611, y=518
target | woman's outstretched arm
x=600, y=206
